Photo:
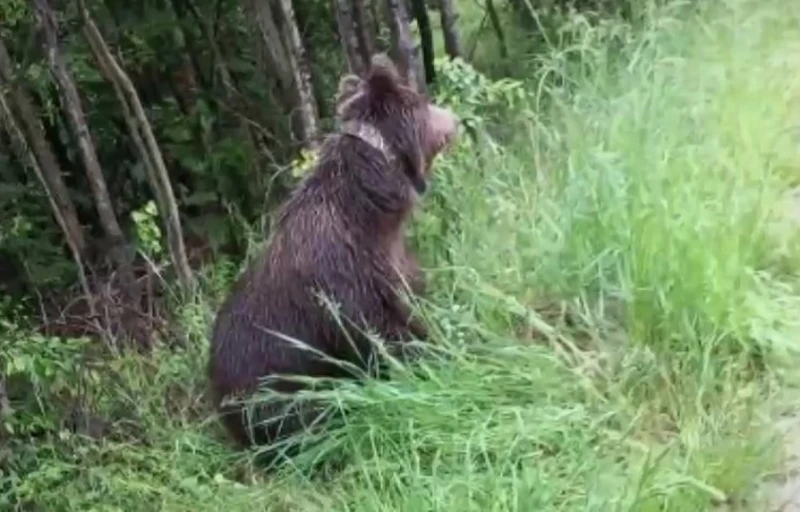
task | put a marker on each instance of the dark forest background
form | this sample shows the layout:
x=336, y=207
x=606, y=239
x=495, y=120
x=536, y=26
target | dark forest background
x=164, y=128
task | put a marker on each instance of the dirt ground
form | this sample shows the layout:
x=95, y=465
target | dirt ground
x=784, y=492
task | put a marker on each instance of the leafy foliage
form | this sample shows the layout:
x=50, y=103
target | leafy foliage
x=148, y=230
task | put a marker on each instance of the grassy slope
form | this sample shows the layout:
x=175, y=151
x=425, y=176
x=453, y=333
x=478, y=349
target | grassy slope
x=614, y=292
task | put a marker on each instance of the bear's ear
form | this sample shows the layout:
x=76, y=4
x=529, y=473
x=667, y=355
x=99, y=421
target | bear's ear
x=383, y=77
x=349, y=88
x=349, y=85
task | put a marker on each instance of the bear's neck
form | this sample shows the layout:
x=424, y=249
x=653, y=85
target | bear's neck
x=370, y=135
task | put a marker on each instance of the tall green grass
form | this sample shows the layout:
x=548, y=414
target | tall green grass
x=614, y=289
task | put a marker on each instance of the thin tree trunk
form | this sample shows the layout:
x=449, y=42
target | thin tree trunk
x=498, y=29
x=301, y=76
x=5, y=403
x=403, y=43
x=45, y=157
x=273, y=59
x=449, y=17
x=128, y=287
x=27, y=157
x=185, y=76
x=77, y=120
x=424, y=24
x=348, y=37
x=476, y=37
x=374, y=21
x=186, y=44
x=186, y=79
x=220, y=67
x=526, y=10
x=364, y=32
x=146, y=145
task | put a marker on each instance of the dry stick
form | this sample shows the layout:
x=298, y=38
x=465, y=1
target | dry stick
x=151, y=153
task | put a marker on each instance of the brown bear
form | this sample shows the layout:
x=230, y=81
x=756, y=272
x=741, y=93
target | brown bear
x=340, y=234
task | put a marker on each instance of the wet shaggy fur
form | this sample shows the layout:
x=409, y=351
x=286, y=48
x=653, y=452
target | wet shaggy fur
x=340, y=234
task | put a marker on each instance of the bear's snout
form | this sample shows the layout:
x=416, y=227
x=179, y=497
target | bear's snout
x=444, y=125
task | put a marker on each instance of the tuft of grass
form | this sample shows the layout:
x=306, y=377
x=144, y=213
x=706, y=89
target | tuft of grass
x=614, y=296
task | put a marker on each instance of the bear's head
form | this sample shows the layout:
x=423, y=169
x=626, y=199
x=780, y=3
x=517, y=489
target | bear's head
x=384, y=109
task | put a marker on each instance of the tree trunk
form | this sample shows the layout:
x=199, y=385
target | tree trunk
x=526, y=11
x=403, y=43
x=374, y=18
x=184, y=76
x=449, y=16
x=146, y=146
x=494, y=19
x=5, y=403
x=46, y=159
x=77, y=120
x=220, y=66
x=301, y=77
x=53, y=185
x=424, y=24
x=348, y=37
x=187, y=47
x=273, y=61
x=365, y=33
x=282, y=58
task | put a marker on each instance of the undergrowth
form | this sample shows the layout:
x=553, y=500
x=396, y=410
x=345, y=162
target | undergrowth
x=614, y=281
